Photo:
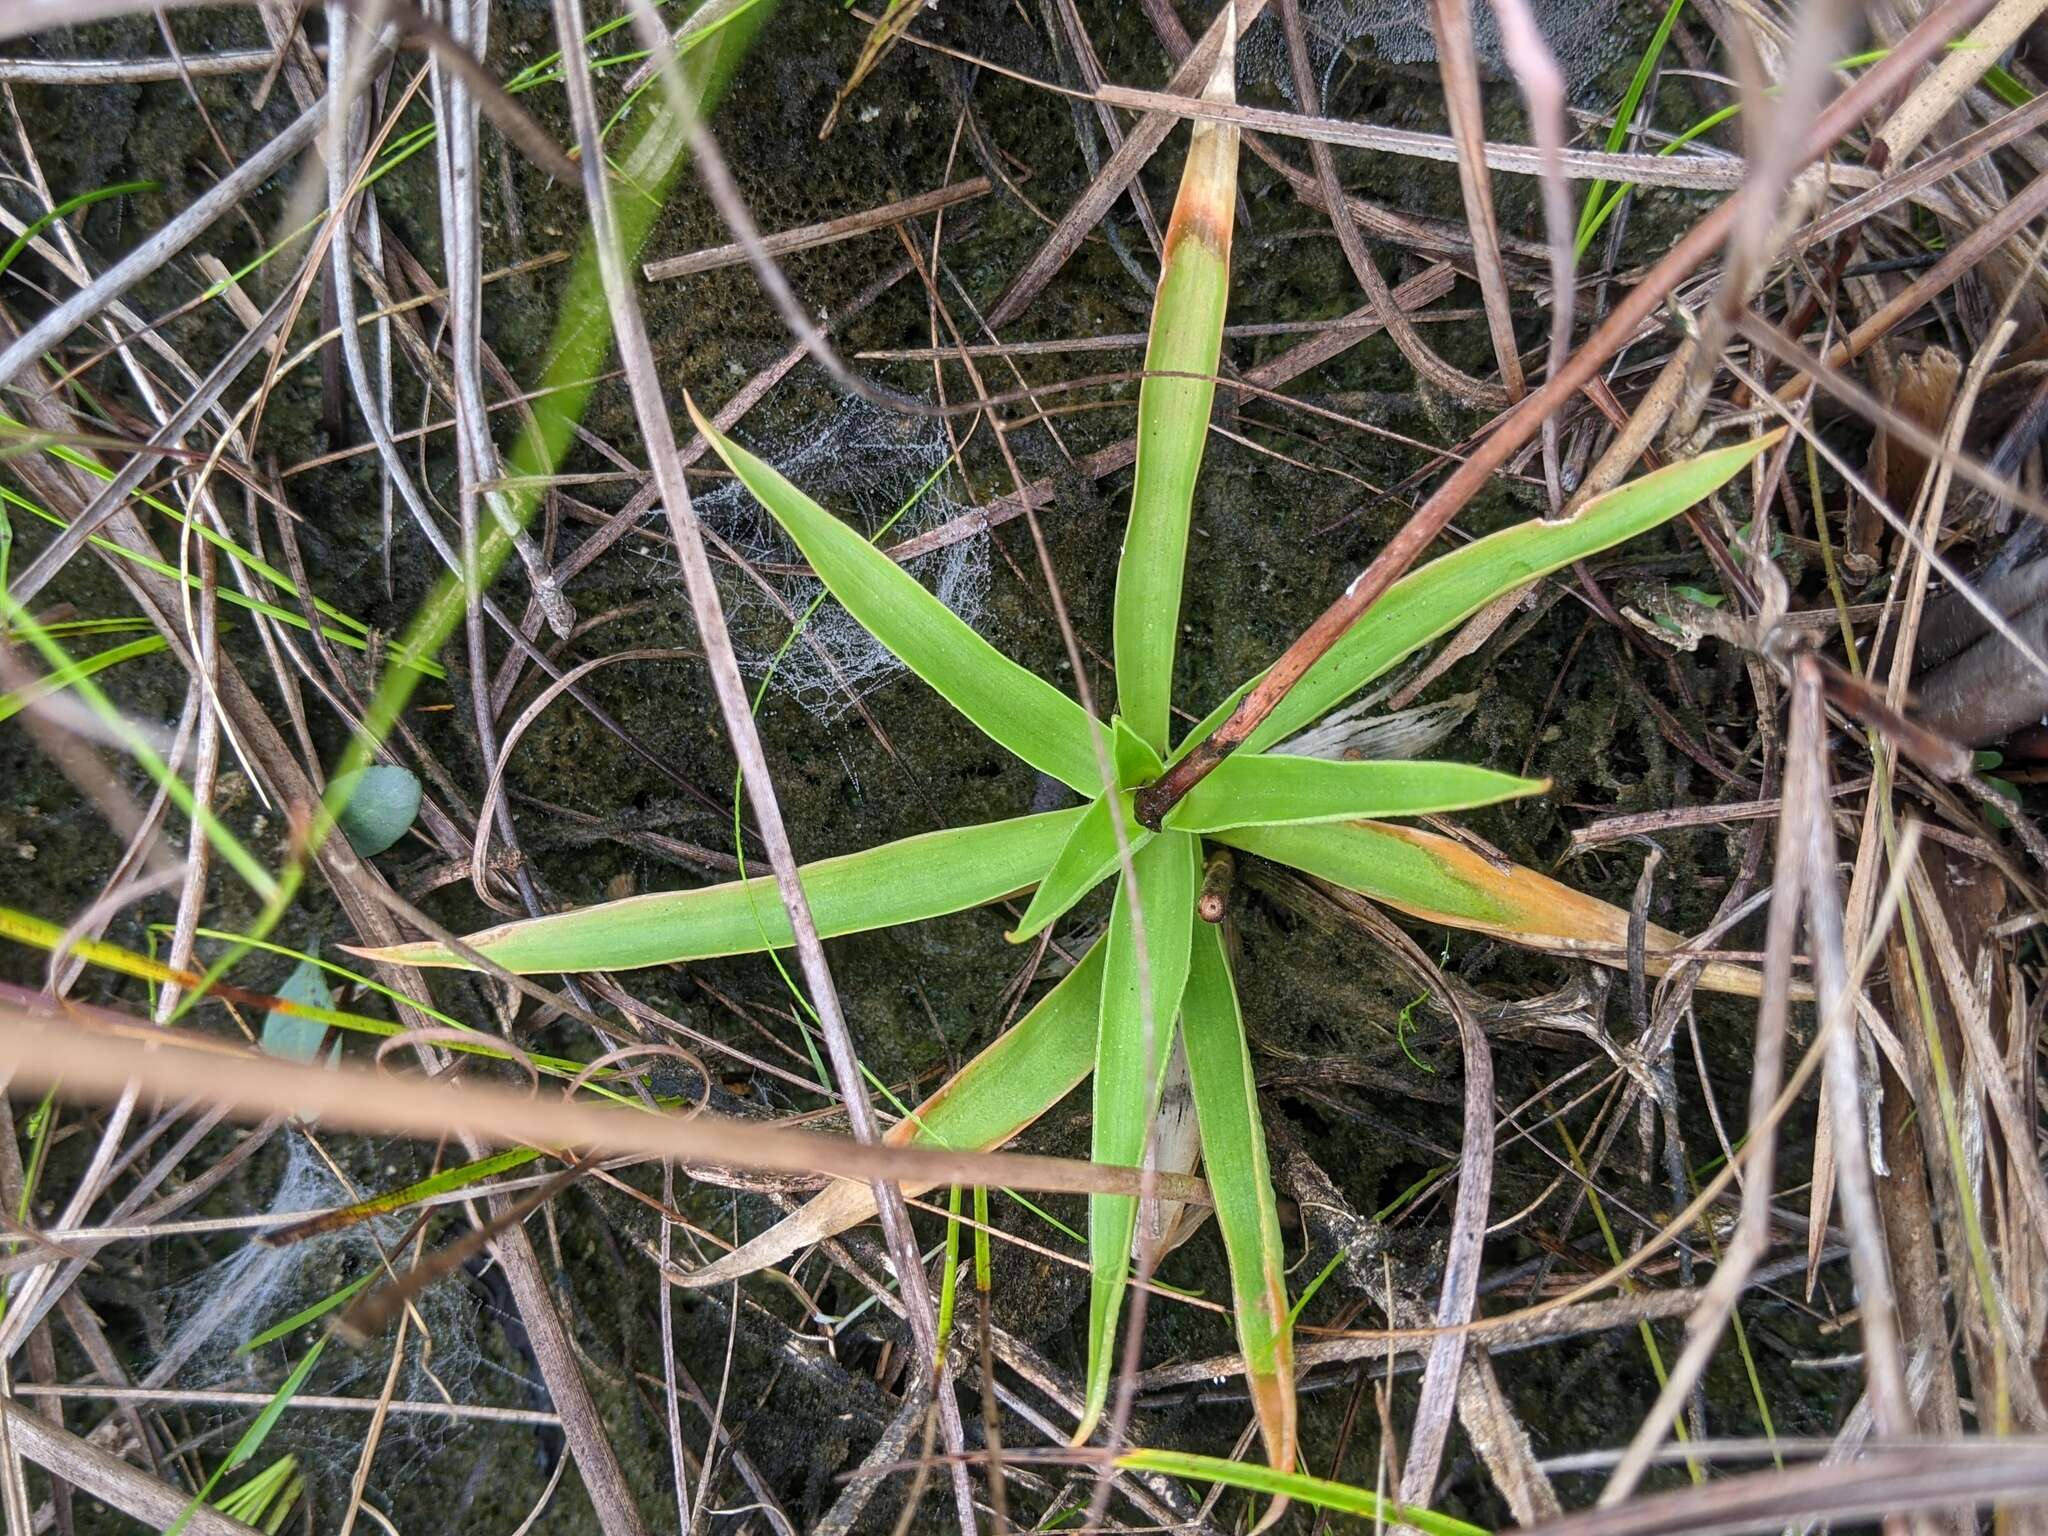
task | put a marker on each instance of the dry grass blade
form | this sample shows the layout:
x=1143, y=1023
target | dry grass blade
x=106, y=1477
x=1418, y=352
x=1811, y=317
x=1900, y=1482
x=1697, y=172
x=1543, y=91
x=1117, y=172
x=1450, y=23
x=512, y=119
x=731, y=690
x=152, y=253
x=823, y=233
x=98, y=1065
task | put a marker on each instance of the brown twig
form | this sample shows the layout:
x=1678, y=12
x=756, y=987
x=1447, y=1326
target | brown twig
x=1523, y=421
x=811, y=236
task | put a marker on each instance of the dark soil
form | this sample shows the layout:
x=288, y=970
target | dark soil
x=1559, y=694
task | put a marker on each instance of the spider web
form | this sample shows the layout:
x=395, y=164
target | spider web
x=865, y=465
x=1581, y=33
x=211, y=1313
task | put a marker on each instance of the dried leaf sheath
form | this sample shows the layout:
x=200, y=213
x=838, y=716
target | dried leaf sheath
x=1443, y=881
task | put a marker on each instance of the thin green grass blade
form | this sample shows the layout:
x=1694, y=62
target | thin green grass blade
x=900, y=882
x=1318, y=1491
x=14, y=703
x=1023, y=1073
x=1014, y=708
x=1173, y=419
x=445, y=1182
x=1234, y=1156
x=1431, y=601
x=70, y=205
x=1087, y=859
x=254, y=1436
x=1624, y=116
x=1595, y=218
x=356, y=630
x=1442, y=881
x=1129, y=1071
x=1258, y=790
x=248, y=1502
x=230, y=848
x=355, y=638
x=311, y=1314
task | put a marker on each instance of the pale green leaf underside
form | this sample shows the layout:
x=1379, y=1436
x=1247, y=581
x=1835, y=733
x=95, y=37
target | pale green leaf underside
x=1431, y=601
x=1136, y=763
x=1173, y=429
x=900, y=882
x=1018, y=710
x=1252, y=790
x=1128, y=1043
x=378, y=806
x=1086, y=859
x=1023, y=1073
x=1234, y=1157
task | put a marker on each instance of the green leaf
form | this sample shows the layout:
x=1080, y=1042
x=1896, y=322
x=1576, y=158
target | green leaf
x=1318, y=1491
x=900, y=882
x=1136, y=763
x=12, y=704
x=1086, y=859
x=70, y=205
x=267, y=1498
x=1173, y=424
x=433, y=1184
x=305, y=1315
x=1258, y=790
x=1234, y=1157
x=1132, y=1048
x=1591, y=212
x=1443, y=881
x=1024, y=1072
x=254, y=1436
x=1018, y=711
x=295, y=1036
x=378, y=804
x=1429, y=602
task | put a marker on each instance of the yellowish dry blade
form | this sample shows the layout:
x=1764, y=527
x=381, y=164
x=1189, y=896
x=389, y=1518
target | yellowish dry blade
x=1443, y=881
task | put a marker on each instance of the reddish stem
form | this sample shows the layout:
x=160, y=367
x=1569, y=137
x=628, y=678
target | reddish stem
x=1523, y=421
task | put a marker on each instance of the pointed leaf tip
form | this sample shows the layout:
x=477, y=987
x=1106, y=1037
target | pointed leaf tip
x=1016, y=709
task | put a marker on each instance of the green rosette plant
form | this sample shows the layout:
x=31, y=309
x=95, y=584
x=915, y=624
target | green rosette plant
x=1115, y=1014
